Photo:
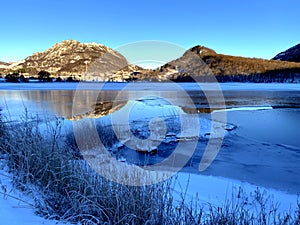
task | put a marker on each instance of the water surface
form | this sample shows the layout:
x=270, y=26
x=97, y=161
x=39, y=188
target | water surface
x=264, y=149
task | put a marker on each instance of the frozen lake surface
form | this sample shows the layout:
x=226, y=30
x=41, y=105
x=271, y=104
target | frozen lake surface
x=152, y=86
x=263, y=150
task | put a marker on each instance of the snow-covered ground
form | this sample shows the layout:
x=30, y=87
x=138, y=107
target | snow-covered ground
x=216, y=191
x=17, y=208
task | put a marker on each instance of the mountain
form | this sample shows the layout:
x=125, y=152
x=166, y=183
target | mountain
x=88, y=61
x=96, y=62
x=3, y=67
x=202, y=62
x=4, y=64
x=71, y=57
x=292, y=54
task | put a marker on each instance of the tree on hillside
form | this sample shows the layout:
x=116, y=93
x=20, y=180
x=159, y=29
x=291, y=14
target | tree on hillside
x=44, y=76
x=58, y=79
x=71, y=79
x=23, y=79
x=22, y=70
x=14, y=77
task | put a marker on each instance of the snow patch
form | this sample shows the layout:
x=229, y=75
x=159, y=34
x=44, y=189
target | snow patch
x=216, y=191
x=15, y=207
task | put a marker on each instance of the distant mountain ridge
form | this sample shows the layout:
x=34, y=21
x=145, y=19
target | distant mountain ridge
x=292, y=54
x=201, y=62
x=4, y=64
x=96, y=62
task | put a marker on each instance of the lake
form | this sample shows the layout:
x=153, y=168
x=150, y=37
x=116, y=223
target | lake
x=262, y=147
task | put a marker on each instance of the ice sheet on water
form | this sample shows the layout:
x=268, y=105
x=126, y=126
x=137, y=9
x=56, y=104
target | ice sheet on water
x=157, y=118
x=154, y=86
x=245, y=109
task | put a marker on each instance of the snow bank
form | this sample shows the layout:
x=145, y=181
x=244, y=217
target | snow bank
x=217, y=191
x=15, y=207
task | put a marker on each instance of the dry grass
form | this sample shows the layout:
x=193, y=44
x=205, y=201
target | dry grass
x=67, y=188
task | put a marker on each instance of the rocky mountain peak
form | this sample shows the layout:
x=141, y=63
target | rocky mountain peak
x=202, y=50
x=67, y=57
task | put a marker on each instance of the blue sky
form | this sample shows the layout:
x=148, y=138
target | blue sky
x=258, y=28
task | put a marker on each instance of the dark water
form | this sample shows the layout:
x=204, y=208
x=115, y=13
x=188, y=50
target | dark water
x=264, y=149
